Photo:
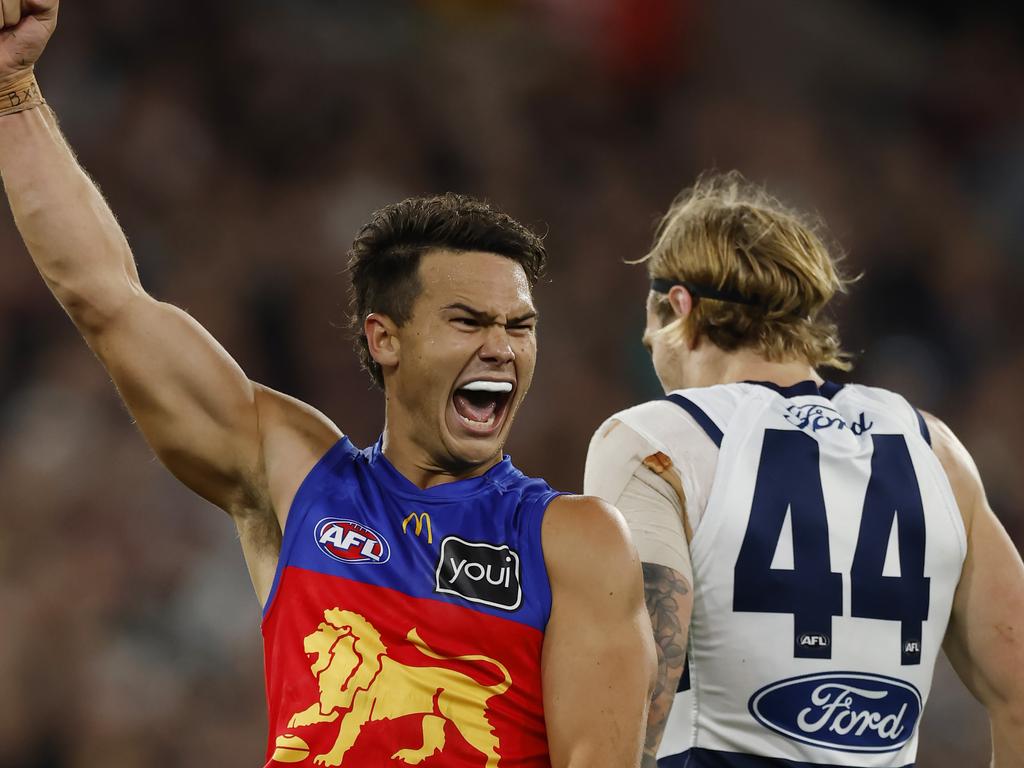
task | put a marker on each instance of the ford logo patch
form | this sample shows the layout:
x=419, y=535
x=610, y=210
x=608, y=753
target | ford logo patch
x=848, y=711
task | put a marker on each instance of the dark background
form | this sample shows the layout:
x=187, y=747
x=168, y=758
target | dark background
x=242, y=144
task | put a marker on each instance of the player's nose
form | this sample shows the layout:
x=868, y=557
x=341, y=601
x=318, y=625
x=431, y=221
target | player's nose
x=497, y=346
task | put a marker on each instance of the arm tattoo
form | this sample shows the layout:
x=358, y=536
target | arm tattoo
x=664, y=591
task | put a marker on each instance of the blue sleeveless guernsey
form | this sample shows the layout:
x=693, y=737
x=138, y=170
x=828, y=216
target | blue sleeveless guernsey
x=405, y=626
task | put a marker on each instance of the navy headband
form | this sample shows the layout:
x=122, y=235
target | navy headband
x=663, y=285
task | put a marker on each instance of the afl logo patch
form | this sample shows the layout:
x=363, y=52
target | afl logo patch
x=350, y=542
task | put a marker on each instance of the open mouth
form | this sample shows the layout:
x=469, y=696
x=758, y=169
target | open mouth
x=481, y=405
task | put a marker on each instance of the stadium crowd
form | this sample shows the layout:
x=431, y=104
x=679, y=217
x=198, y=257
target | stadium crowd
x=242, y=145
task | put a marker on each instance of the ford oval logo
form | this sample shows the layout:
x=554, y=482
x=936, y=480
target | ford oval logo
x=848, y=711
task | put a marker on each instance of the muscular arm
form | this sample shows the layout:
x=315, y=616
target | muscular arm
x=235, y=443
x=598, y=661
x=667, y=594
x=626, y=471
x=985, y=638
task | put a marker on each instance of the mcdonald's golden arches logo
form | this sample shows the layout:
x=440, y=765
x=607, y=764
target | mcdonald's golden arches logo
x=422, y=521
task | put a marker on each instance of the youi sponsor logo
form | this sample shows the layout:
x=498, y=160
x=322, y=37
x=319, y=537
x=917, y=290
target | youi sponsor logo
x=848, y=711
x=479, y=572
x=350, y=542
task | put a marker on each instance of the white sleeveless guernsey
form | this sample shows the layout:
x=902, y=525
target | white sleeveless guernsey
x=825, y=558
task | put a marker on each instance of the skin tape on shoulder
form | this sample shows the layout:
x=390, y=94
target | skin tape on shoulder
x=615, y=453
x=655, y=522
x=661, y=465
x=618, y=472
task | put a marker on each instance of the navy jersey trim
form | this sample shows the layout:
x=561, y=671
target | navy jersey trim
x=699, y=757
x=923, y=425
x=674, y=761
x=343, y=449
x=684, y=680
x=828, y=389
x=703, y=420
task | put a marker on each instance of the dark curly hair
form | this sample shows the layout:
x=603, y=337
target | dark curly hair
x=384, y=259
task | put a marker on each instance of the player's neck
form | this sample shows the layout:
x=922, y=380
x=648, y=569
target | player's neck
x=713, y=366
x=420, y=466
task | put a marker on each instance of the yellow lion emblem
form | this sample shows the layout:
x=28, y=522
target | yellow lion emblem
x=359, y=684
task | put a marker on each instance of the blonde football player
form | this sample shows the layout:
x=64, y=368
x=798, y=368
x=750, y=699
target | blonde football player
x=817, y=544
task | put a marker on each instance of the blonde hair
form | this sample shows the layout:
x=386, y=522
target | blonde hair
x=731, y=235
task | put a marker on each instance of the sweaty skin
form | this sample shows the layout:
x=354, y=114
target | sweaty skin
x=474, y=320
x=246, y=448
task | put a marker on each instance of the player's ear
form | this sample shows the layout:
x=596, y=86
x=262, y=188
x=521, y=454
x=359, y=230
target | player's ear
x=681, y=301
x=382, y=339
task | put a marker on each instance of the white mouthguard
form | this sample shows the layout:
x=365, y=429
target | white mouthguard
x=488, y=386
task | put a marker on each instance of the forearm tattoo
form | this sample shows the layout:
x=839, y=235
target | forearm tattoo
x=664, y=591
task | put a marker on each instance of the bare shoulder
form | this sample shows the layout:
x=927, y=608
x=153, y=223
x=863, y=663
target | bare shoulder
x=947, y=446
x=959, y=466
x=279, y=411
x=585, y=519
x=294, y=435
x=585, y=532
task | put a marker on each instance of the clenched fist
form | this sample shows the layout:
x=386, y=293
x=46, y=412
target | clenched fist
x=26, y=28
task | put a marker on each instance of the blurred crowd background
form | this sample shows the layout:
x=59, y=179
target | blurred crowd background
x=242, y=144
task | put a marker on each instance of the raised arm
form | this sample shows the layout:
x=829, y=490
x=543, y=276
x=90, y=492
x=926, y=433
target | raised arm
x=235, y=443
x=598, y=662
x=985, y=639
